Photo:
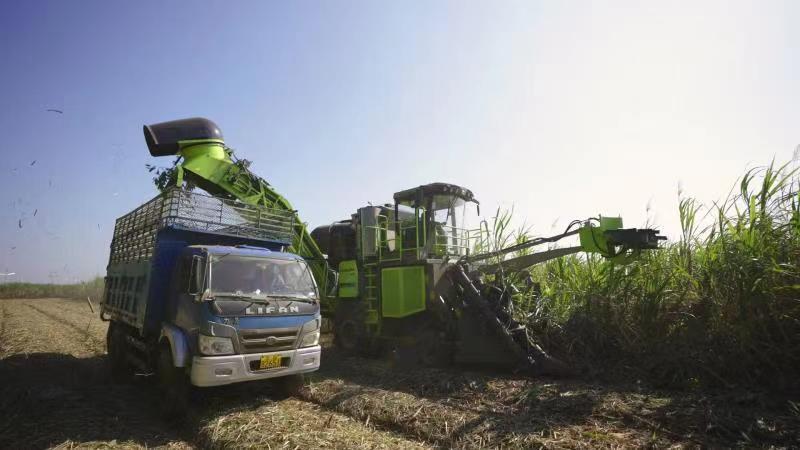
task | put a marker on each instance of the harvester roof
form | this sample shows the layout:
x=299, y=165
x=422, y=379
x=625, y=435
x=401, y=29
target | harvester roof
x=410, y=196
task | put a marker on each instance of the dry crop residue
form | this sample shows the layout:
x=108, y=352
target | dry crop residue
x=56, y=392
x=469, y=409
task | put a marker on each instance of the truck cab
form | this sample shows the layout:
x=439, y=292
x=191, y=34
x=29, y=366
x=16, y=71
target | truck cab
x=248, y=312
x=201, y=290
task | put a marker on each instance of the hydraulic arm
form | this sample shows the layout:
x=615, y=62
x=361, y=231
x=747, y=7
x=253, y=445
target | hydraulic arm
x=603, y=235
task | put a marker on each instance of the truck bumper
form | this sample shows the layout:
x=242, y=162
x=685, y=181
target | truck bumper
x=219, y=370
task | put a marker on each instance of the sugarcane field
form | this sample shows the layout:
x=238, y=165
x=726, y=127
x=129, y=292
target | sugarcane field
x=374, y=225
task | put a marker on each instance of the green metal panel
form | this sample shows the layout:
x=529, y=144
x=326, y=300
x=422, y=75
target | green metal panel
x=610, y=223
x=348, y=279
x=402, y=291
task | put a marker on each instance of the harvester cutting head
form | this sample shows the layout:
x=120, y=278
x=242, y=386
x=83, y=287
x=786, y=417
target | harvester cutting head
x=621, y=245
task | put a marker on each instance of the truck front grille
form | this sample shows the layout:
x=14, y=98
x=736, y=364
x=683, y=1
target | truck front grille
x=271, y=340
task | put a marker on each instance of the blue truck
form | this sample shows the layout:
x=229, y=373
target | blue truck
x=200, y=291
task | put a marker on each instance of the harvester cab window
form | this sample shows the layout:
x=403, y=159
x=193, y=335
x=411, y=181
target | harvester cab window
x=447, y=213
x=440, y=229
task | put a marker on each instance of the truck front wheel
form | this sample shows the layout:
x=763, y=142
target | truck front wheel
x=289, y=386
x=173, y=383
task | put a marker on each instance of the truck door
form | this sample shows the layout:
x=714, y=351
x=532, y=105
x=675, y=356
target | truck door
x=184, y=311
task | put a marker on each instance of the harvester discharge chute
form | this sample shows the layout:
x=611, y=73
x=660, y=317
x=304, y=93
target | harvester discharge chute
x=406, y=276
x=205, y=161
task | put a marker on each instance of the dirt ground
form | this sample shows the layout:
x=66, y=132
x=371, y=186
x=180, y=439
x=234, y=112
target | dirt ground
x=55, y=391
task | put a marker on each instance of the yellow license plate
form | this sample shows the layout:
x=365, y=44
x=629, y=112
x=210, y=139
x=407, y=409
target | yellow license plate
x=270, y=362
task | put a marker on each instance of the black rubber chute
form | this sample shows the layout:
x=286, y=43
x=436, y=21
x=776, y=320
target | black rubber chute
x=162, y=138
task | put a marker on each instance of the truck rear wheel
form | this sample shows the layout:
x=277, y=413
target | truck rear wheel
x=173, y=383
x=115, y=347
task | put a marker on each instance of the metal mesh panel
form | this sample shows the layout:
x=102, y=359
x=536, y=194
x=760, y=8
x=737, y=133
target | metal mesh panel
x=135, y=233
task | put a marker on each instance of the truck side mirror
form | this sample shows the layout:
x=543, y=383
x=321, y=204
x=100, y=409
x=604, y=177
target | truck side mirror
x=196, y=275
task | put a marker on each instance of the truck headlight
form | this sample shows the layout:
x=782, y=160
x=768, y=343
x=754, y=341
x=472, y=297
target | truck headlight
x=309, y=334
x=213, y=345
x=310, y=339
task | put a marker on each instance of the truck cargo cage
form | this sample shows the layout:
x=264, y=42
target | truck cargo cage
x=135, y=233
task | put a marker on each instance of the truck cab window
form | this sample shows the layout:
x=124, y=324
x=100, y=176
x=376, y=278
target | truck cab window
x=261, y=277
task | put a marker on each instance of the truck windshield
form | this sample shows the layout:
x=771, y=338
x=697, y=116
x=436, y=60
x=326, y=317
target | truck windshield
x=260, y=277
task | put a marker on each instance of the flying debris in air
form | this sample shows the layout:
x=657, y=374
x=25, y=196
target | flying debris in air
x=34, y=212
x=34, y=162
x=56, y=111
x=20, y=223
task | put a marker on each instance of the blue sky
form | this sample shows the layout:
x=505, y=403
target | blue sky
x=562, y=109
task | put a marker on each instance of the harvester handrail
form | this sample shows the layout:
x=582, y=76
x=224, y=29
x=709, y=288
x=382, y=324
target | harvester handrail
x=459, y=239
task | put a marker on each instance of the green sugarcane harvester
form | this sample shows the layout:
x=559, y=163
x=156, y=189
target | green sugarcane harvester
x=406, y=276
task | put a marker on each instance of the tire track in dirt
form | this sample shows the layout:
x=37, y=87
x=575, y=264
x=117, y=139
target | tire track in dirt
x=4, y=339
x=91, y=341
x=57, y=389
x=58, y=392
x=77, y=311
x=69, y=314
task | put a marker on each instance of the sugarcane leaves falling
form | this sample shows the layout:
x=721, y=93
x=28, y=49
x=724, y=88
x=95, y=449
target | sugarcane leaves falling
x=167, y=177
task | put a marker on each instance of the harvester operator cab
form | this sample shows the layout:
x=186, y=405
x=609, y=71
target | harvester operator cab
x=439, y=226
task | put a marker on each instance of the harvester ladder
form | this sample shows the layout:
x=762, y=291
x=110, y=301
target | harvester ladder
x=371, y=292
